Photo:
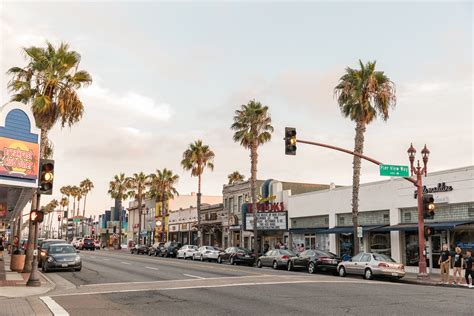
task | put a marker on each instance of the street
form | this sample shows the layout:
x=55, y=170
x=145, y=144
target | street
x=118, y=283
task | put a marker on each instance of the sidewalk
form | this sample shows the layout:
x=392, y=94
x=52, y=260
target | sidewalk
x=18, y=299
x=434, y=280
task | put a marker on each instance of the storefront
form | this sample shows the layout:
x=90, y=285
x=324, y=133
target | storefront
x=182, y=226
x=388, y=217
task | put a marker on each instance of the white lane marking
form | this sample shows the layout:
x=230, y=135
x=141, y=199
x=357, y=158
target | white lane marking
x=180, y=280
x=54, y=307
x=123, y=262
x=151, y=268
x=105, y=259
x=223, y=285
x=193, y=276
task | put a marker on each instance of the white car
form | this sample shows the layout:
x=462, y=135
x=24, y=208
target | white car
x=206, y=253
x=76, y=242
x=187, y=251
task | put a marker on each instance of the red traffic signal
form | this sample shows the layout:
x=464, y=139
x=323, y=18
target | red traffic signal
x=59, y=218
x=36, y=216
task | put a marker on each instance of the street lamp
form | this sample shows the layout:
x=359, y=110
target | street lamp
x=419, y=172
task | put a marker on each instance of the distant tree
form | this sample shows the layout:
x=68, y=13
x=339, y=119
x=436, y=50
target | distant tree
x=118, y=190
x=235, y=177
x=137, y=185
x=86, y=186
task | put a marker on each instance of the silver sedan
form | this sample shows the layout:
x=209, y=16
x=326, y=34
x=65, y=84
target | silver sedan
x=370, y=264
x=206, y=253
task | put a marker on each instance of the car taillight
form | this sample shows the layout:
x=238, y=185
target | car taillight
x=383, y=265
x=285, y=257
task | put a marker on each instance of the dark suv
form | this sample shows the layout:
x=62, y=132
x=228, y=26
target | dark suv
x=88, y=244
x=170, y=249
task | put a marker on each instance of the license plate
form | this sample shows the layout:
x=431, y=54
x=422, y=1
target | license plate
x=247, y=256
x=64, y=265
x=394, y=274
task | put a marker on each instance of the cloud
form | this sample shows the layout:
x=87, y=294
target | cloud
x=129, y=102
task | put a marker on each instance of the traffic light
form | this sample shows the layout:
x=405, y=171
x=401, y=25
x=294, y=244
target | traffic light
x=428, y=206
x=59, y=218
x=46, y=176
x=36, y=216
x=290, y=141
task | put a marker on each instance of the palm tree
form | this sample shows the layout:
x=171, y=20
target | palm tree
x=162, y=188
x=49, y=209
x=66, y=191
x=197, y=158
x=252, y=126
x=75, y=193
x=362, y=95
x=49, y=83
x=118, y=189
x=86, y=186
x=235, y=177
x=138, y=184
x=64, y=202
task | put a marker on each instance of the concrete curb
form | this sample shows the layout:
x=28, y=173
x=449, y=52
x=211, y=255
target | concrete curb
x=53, y=285
x=432, y=283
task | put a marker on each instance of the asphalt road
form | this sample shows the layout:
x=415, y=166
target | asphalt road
x=117, y=283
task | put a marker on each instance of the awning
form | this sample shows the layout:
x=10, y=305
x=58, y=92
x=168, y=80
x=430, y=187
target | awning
x=307, y=230
x=348, y=229
x=413, y=227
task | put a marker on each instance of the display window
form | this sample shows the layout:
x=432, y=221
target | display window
x=380, y=243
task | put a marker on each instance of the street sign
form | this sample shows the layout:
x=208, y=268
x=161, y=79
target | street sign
x=360, y=232
x=35, y=252
x=394, y=171
x=76, y=220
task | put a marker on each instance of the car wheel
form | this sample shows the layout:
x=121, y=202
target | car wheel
x=219, y=259
x=342, y=271
x=311, y=268
x=232, y=262
x=275, y=265
x=289, y=266
x=259, y=264
x=368, y=274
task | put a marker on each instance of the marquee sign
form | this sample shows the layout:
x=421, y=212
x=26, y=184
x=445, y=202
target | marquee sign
x=267, y=221
x=18, y=158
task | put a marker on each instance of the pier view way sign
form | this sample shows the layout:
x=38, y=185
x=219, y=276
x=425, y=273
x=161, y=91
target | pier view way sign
x=394, y=171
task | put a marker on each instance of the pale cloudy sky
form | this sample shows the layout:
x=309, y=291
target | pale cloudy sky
x=166, y=74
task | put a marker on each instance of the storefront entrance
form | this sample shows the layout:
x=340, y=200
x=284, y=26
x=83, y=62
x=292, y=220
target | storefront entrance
x=436, y=247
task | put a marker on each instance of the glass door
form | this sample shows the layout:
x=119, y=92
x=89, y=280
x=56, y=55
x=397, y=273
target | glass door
x=435, y=250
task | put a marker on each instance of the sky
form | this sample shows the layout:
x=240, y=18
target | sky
x=168, y=73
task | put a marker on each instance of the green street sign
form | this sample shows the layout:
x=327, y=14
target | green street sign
x=394, y=171
x=76, y=220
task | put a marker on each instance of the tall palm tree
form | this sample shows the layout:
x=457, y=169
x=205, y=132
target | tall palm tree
x=66, y=191
x=49, y=83
x=362, y=95
x=118, y=190
x=86, y=186
x=139, y=183
x=196, y=159
x=235, y=177
x=49, y=209
x=64, y=202
x=75, y=193
x=252, y=126
x=162, y=188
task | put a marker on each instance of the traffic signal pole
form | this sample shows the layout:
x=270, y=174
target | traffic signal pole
x=34, y=280
x=418, y=183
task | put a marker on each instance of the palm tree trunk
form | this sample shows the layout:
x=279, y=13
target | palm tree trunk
x=358, y=148
x=84, y=209
x=29, y=250
x=120, y=224
x=139, y=217
x=73, y=213
x=253, y=190
x=51, y=223
x=163, y=216
x=198, y=207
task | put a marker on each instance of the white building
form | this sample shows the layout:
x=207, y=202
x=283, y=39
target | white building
x=388, y=215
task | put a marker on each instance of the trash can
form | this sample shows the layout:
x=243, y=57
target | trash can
x=17, y=263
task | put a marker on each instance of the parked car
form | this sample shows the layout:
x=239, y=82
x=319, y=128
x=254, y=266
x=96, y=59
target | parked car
x=76, y=242
x=87, y=244
x=155, y=249
x=370, y=265
x=97, y=244
x=44, y=250
x=236, y=255
x=170, y=249
x=139, y=249
x=61, y=257
x=276, y=258
x=187, y=251
x=206, y=253
x=314, y=260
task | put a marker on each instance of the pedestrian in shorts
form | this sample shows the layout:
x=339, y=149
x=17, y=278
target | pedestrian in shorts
x=469, y=272
x=444, y=264
x=458, y=262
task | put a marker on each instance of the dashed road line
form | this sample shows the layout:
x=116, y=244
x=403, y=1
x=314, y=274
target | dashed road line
x=194, y=276
x=123, y=262
x=151, y=268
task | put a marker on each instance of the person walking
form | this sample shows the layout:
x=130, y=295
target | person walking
x=469, y=271
x=458, y=263
x=2, y=242
x=444, y=263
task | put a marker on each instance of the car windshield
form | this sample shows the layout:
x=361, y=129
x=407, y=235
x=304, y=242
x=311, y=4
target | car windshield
x=380, y=257
x=242, y=250
x=61, y=249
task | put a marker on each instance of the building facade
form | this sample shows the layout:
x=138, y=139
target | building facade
x=237, y=196
x=213, y=218
x=388, y=216
x=182, y=226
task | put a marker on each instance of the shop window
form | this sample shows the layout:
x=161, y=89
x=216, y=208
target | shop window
x=470, y=212
x=407, y=217
x=380, y=243
x=386, y=218
x=411, y=248
x=345, y=244
x=341, y=220
x=326, y=220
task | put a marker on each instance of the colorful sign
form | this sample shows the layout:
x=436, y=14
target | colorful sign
x=18, y=159
x=3, y=209
x=394, y=171
x=267, y=221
